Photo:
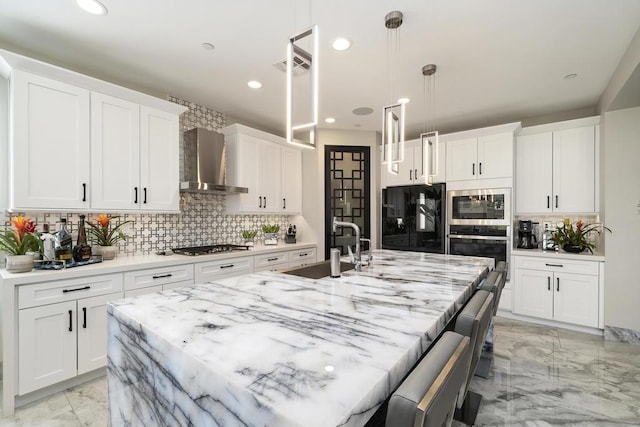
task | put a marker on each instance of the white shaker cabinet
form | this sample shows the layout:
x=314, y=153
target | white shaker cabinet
x=556, y=171
x=484, y=157
x=411, y=170
x=49, y=151
x=291, y=181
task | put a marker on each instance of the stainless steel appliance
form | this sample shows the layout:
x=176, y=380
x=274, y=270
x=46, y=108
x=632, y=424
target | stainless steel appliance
x=210, y=249
x=413, y=218
x=493, y=241
x=204, y=163
x=526, y=238
x=480, y=207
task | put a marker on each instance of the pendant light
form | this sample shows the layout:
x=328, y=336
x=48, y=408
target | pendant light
x=429, y=135
x=393, y=114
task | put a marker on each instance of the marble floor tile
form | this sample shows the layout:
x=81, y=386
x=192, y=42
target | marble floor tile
x=542, y=377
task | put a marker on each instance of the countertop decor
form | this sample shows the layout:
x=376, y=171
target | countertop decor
x=17, y=242
x=575, y=240
x=280, y=350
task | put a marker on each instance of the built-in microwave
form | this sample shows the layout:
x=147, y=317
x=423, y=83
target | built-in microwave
x=491, y=206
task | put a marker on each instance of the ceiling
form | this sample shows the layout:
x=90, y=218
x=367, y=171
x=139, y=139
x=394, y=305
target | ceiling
x=498, y=61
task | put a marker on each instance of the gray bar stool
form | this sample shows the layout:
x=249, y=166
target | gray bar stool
x=473, y=322
x=427, y=397
x=496, y=287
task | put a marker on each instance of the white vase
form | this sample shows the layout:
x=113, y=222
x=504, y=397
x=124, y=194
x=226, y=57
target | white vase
x=19, y=263
x=107, y=252
x=271, y=238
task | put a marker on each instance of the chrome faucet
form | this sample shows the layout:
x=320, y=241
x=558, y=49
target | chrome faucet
x=369, y=255
x=355, y=258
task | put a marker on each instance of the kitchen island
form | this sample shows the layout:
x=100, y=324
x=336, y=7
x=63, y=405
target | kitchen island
x=270, y=349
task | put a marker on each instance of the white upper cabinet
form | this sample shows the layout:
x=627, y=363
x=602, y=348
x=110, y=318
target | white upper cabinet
x=411, y=170
x=115, y=152
x=270, y=170
x=556, y=170
x=49, y=151
x=482, y=157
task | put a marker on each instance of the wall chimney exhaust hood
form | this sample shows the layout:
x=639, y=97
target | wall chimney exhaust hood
x=204, y=163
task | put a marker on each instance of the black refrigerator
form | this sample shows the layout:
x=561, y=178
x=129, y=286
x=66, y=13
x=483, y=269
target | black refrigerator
x=413, y=218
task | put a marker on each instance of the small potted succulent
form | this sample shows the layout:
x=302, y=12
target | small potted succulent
x=249, y=237
x=106, y=236
x=270, y=232
x=16, y=243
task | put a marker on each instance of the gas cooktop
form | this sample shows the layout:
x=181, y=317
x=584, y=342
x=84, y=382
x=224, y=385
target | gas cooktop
x=211, y=249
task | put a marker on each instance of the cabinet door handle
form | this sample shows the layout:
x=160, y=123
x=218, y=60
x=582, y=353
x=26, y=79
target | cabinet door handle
x=548, y=283
x=265, y=202
x=70, y=321
x=227, y=266
x=558, y=284
x=556, y=201
x=135, y=190
x=410, y=172
x=473, y=169
x=145, y=195
x=84, y=288
x=480, y=168
x=272, y=259
x=284, y=203
x=548, y=202
x=415, y=174
x=161, y=276
x=84, y=317
x=84, y=191
x=554, y=265
x=260, y=199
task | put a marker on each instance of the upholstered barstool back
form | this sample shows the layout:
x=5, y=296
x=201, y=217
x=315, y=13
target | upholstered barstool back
x=427, y=397
x=494, y=283
x=473, y=322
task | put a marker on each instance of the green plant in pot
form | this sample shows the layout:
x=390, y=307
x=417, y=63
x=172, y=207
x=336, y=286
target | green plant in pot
x=249, y=237
x=106, y=235
x=16, y=242
x=575, y=239
x=270, y=232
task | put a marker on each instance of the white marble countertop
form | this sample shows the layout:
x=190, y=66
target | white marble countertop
x=584, y=256
x=138, y=262
x=270, y=349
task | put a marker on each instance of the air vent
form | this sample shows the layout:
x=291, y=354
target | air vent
x=301, y=62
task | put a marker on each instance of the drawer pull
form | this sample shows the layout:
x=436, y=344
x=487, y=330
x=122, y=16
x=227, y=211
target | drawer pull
x=226, y=266
x=162, y=276
x=84, y=317
x=84, y=288
x=548, y=283
x=554, y=265
x=272, y=259
x=70, y=321
x=558, y=281
x=304, y=254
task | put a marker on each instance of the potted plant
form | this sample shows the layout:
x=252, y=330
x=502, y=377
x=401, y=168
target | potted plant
x=575, y=239
x=17, y=242
x=249, y=237
x=270, y=232
x=106, y=235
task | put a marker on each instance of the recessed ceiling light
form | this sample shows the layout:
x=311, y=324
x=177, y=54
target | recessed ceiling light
x=341, y=43
x=403, y=100
x=208, y=46
x=254, y=84
x=362, y=111
x=330, y=120
x=570, y=76
x=92, y=6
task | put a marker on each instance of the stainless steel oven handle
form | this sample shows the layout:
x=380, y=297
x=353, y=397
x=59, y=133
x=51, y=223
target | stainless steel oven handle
x=474, y=237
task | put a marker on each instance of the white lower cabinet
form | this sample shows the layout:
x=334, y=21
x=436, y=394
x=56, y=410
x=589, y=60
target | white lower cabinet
x=151, y=280
x=300, y=257
x=562, y=290
x=270, y=262
x=209, y=271
x=60, y=341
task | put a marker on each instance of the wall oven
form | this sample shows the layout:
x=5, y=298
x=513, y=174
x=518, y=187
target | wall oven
x=480, y=207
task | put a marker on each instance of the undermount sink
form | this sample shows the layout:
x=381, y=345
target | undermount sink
x=317, y=270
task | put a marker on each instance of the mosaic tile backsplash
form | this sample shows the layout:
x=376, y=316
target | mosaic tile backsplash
x=202, y=219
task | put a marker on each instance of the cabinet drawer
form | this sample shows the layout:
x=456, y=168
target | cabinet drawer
x=68, y=290
x=157, y=276
x=142, y=291
x=208, y=271
x=302, y=256
x=177, y=285
x=270, y=261
x=590, y=268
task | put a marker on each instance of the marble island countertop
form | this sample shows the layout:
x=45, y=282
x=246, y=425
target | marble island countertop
x=270, y=349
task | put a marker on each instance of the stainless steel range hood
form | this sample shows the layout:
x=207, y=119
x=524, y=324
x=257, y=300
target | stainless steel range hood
x=204, y=163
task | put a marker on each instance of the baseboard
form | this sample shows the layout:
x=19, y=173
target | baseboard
x=578, y=328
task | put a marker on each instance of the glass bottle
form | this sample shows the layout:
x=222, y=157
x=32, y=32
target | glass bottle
x=48, y=244
x=82, y=251
x=63, y=243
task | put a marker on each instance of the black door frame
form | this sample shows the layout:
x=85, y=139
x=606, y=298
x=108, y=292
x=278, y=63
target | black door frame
x=366, y=151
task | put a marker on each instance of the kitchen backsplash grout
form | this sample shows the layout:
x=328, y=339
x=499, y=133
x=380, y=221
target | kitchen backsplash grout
x=202, y=219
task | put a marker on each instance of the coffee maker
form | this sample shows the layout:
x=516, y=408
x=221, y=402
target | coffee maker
x=526, y=238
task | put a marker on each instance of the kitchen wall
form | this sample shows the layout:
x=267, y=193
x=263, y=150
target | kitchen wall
x=202, y=219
